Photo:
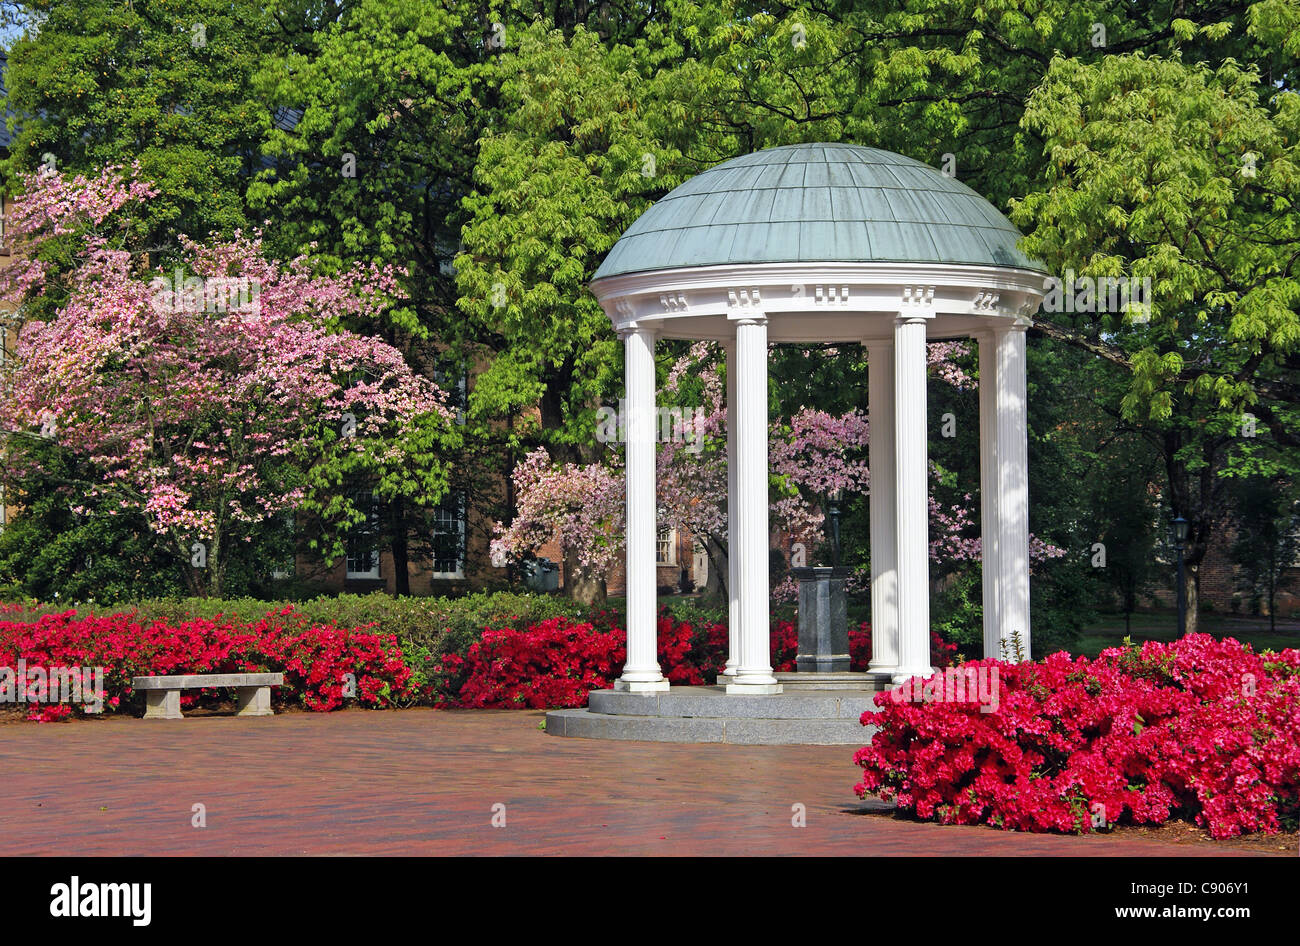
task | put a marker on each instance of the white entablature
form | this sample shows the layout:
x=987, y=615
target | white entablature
x=807, y=301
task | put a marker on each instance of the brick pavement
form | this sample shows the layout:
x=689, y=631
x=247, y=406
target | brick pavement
x=424, y=782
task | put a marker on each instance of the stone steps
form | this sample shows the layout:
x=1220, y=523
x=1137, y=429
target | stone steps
x=708, y=714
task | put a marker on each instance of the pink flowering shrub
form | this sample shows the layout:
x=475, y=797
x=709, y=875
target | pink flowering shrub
x=1199, y=727
x=211, y=398
x=314, y=658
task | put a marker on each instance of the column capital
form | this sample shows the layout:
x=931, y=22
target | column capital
x=905, y=317
x=628, y=329
x=1007, y=326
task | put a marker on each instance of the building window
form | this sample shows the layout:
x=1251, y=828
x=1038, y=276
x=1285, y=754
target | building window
x=363, y=539
x=455, y=382
x=449, y=537
x=666, y=548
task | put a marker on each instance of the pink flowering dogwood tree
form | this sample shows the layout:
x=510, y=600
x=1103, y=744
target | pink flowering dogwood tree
x=214, y=396
x=811, y=454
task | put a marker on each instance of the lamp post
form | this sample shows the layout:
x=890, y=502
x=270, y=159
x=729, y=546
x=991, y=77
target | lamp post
x=833, y=512
x=823, y=608
x=1179, y=534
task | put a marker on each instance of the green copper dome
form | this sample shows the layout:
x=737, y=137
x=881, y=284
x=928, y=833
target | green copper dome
x=817, y=203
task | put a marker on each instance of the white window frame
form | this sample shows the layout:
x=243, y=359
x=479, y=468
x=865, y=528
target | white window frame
x=369, y=527
x=668, y=539
x=458, y=497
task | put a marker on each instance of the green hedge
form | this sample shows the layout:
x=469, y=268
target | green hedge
x=430, y=626
x=433, y=625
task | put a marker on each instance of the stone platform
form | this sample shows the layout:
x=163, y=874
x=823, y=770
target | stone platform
x=816, y=717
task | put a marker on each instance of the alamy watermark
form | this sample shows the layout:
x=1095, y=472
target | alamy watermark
x=954, y=685
x=238, y=295
x=78, y=898
x=1084, y=294
x=671, y=425
x=26, y=684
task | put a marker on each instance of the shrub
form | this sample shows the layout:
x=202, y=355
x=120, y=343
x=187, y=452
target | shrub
x=314, y=658
x=1197, y=726
x=499, y=649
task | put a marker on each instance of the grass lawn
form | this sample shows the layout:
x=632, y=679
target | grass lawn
x=1163, y=626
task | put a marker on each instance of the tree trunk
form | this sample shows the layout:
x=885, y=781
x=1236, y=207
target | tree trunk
x=397, y=531
x=1191, y=584
x=1272, y=592
x=195, y=579
x=717, y=583
x=581, y=583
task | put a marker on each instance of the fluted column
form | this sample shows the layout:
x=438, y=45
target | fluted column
x=1012, y=514
x=641, y=672
x=884, y=538
x=988, y=394
x=754, y=674
x=913, y=536
x=733, y=541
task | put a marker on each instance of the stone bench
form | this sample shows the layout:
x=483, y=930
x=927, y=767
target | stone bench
x=163, y=694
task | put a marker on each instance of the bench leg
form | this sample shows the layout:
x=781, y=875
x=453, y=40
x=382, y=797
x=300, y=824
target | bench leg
x=253, y=701
x=162, y=704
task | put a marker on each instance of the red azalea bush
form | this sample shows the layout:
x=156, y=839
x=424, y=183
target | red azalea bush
x=1199, y=727
x=559, y=661
x=314, y=658
x=552, y=663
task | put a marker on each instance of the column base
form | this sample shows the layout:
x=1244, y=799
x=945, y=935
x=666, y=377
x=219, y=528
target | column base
x=902, y=674
x=641, y=686
x=740, y=688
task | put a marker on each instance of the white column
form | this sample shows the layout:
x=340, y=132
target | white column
x=884, y=538
x=733, y=532
x=910, y=436
x=1012, y=452
x=641, y=673
x=989, y=492
x=754, y=675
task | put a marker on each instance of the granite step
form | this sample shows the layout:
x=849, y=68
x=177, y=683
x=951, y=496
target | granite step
x=748, y=731
x=715, y=703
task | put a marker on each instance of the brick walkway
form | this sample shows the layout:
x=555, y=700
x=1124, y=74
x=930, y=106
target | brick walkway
x=425, y=782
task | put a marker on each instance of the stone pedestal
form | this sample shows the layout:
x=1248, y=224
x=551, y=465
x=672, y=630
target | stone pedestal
x=823, y=620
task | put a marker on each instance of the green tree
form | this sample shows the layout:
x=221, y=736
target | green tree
x=588, y=140
x=1184, y=175
x=161, y=82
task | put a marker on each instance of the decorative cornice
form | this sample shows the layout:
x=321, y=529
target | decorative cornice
x=832, y=295
x=673, y=301
x=744, y=304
